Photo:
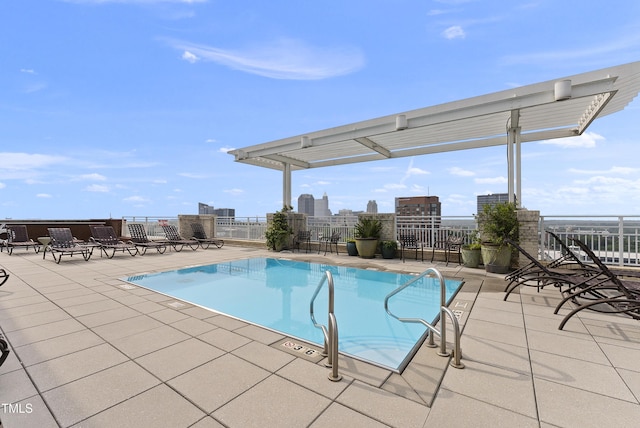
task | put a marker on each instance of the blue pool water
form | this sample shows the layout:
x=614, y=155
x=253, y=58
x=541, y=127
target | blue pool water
x=276, y=294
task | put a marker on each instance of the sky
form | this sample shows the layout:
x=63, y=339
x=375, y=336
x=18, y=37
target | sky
x=112, y=108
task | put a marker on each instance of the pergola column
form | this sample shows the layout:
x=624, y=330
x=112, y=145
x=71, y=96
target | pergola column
x=286, y=185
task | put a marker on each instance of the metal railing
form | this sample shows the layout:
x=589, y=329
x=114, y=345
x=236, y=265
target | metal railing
x=331, y=333
x=616, y=239
x=457, y=355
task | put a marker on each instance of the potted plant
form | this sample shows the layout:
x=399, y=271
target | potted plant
x=352, y=250
x=388, y=249
x=471, y=253
x=498, y=222
x=367, y=233
x=278, y=232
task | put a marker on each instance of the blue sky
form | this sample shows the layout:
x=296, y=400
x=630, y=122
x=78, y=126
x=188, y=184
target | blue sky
x=128, y=107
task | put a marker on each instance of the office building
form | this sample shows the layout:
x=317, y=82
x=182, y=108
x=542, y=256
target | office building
x=421, y=206
x=306, y=204
x=491, y=199
x=372, y=207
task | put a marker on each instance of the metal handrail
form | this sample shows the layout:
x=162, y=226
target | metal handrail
x=331, y=334
x=443, y=311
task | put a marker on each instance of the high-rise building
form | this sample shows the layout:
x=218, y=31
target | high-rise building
x=225, y=212
x=491, y=199
x=422, y=206
x=306, y=204
x=372, y=207
x=205, y=209
x=321, y=208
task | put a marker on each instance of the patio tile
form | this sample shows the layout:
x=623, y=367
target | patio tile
x=217, y=382
x=337, y=414
x=78, y=400
x=597, y=378
x=30, y=412
x=515, y=358
x=55, y=347
x=93, y=307
x=514, y=319
x=265, y=406
x=224, y=339
x=24, y=310
x=383, y=406
x=29, y=335
x=264, y=356
x=67, y=368
x=158, y=407
x=481, y=329
x=488, y=383
x=260, y=334
x=32, y=320
x=226, y=322
x=314, y=377
x=582, y=348
x=457, y=410
x=168, y=316
x=207, y=422
x=193, y=326
x=148, y=341
x=16, y=386
x=107, y=316
x=177, y=359
x=127, y=327
x=560, y=405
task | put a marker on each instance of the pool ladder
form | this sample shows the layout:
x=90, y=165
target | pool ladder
x=331, y=333
x=443, y=310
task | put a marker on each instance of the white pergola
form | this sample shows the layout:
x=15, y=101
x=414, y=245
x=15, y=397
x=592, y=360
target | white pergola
x=557, y=108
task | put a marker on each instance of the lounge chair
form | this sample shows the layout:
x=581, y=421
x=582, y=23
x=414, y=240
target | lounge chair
x=200, y=235
x=63, y=243
x=4, y=349
x=4, y=276
x=452, y=244
x=613, y=296
x=537, y=275
x=105, y=237
x=302, y=238
x=409, y=241
x=330, y=242
x=142, y=242
x=17, y=237
x=176, y=241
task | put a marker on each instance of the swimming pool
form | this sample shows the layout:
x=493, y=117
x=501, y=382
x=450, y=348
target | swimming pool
x=276, y=293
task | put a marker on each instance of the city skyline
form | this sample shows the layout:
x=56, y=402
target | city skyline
x=102, y=120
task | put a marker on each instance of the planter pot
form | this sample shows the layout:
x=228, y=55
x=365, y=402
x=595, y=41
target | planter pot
x=388, y=253
x=352, y=250
x=367, y=247
x=496, y=258
x=471, y=258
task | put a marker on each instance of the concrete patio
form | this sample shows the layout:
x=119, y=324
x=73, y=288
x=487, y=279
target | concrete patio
x=89, y=350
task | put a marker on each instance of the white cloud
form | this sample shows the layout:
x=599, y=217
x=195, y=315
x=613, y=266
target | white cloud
x=189, y=57
x=135, y=1
x=461, y=172
x=193, y=175
x=234, y=191
x=282, y=59
x=43, y=195
x=491, y=180
x=613, y=170
x=210, y=140
x=97, y=188
x=25, y=161
x=585, y=141
x=225, y=149
x=2, y=185
x=27, y=71
x=136, y=199
x=93, y=177
x=454, y=32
